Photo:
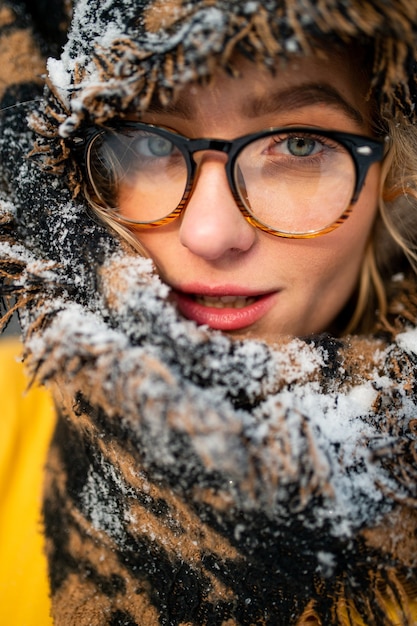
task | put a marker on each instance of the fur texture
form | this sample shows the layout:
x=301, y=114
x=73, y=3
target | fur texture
x=193, y=479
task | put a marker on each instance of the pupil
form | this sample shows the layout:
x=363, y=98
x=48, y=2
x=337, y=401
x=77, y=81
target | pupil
x=301, y=146
x=160, y=146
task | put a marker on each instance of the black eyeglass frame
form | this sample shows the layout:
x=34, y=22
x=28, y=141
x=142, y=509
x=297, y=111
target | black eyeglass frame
x=363, y=150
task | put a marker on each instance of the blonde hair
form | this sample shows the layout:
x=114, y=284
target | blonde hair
x=394, y=236
x=107, y=217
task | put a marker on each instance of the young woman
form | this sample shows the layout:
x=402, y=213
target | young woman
x=211, y=246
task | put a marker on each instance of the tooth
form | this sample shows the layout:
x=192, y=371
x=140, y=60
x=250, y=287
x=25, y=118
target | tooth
x=235, y=302
x=230, y=299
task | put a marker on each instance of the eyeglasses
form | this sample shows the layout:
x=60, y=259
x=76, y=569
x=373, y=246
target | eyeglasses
x=291, y=182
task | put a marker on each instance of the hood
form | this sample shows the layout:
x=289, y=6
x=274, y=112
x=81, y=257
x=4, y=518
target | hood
x=258, y=444
x=133, y=49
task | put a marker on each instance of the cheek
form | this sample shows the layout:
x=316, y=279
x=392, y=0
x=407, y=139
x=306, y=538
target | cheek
x=323, y=279
x=163, y=247
x=349, y=249
x=348, y=242
x=329, y=266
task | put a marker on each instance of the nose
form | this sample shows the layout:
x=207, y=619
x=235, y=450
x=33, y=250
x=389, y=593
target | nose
x=212, y=225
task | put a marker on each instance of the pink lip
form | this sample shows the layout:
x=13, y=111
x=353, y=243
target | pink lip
x=227, y=318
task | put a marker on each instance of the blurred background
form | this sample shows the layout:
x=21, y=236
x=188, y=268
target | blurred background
x=13, y=327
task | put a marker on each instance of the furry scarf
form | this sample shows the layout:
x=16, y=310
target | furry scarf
x=194, y=479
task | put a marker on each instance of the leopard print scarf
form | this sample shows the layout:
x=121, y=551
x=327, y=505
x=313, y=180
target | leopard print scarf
x=194, y=479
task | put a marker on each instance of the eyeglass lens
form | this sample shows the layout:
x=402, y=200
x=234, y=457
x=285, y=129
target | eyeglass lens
x=290, y=182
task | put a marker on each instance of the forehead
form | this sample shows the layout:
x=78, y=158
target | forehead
x=255, y=91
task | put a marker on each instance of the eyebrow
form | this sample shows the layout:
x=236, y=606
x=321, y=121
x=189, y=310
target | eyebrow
x=182, y=107
x=299, y=97
x=280, y=101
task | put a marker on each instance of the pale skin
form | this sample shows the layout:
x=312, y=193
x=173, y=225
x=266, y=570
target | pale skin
x=269, y=286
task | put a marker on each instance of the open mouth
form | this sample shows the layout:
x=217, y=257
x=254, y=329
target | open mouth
x=224, y=312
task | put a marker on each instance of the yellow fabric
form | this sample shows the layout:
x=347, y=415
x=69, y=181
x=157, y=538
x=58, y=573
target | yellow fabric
x=26, y=423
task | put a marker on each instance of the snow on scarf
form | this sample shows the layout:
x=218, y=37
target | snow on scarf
x=194, y=479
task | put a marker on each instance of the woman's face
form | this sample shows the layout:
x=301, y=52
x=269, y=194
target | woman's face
x=224, y=272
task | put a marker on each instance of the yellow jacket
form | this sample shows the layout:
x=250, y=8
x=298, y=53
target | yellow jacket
x=26, y=422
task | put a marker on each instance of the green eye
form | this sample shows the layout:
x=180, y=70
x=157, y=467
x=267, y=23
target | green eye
x=301, y=146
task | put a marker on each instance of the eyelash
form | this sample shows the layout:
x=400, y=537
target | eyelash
x=324, y=141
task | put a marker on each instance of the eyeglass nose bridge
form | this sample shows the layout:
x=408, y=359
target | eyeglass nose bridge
x=200, y=145
x=192, y=146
